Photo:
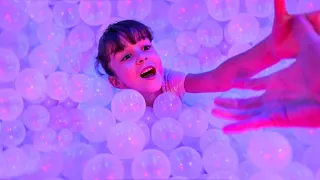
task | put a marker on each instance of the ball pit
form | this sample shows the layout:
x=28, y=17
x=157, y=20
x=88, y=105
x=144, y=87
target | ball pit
x=61, y=121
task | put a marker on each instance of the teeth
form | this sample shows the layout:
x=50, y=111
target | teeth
x=146, y=70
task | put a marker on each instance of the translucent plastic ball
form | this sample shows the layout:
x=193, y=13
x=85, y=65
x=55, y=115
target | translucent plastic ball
x=57, y=85
x=174, y=1
x=307, y=136
x=260, y=8
x=186, y=63
x=66, y=14
x=94, y=13
x=52, y=162
x=149, y=117
x=146, y=130
x=167, y=49
x=36, y=4
x=167, y=32
x=102, y=93
x=213, y=136
x=65, y=138
x=69, y=54
x=227, y=36
x=77, y=118
x=50, y=33
x=13, y=16
x=31, y=84
x=194, y=122
x=134, y=9
x=75, y=158
x=185, y=162
x=49, y=102
x=156, y=19
x=224, y=47
x=167, y=105
x=3, y=165
x=124, y=136
x=58, y=118
x=128, y=105
x=296, y=170
x=243, y=28
x=69, y=104
x=71, y=1
x=83, y=35
x=223, y=10
x=103, y=166
x=16, y=160
x=263, y=33
x=31, y=30
x=45, y=140
x=209, y=58
x=220, y=156
x=80, y=88
x=238, y=49
x=209, y=33
x=151, y=164
x=35, y=117
x=33, y=156
x=308, y=158
x=269, y=151
x=223, y=175
x=186, y=15
x=16, y=41
x=167, y=133
x=11, y=105
x=178, y=178
x=96, y=124
x=40, y=14
x=308, y=6
x=265, y=176
x=12, y=133
x=246, y=169
x=187, y=42
x=9, y=65
x=44, y=59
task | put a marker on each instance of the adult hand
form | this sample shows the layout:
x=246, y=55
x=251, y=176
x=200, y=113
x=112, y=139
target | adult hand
x=291, y=97
x=283, y=43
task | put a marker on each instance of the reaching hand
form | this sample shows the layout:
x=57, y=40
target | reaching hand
x=283, y=43
x=291, y=97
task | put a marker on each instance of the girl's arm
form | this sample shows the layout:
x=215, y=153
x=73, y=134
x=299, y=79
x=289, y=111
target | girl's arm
x=244, y=65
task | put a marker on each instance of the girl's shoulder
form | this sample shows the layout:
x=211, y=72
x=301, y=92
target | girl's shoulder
x=174, y=82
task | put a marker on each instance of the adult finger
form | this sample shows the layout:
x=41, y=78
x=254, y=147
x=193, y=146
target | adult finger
x=231, y=103
x=281, y=26
x=276, y=118
x=228, y=114
x=254, y=84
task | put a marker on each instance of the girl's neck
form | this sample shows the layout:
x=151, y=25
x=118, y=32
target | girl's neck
x=151, y=97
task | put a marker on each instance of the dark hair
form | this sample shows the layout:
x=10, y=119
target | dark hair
x=112, y=41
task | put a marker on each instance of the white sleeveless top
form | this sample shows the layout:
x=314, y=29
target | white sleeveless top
x=174, y=82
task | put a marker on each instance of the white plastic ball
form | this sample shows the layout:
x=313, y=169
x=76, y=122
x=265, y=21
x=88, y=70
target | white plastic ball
x=128, y=105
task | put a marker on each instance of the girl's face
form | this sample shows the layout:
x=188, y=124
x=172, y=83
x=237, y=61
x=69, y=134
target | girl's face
x=138, y=67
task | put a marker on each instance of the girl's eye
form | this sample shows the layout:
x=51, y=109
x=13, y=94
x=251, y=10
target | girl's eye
x=147, y=47
x=126, y=57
